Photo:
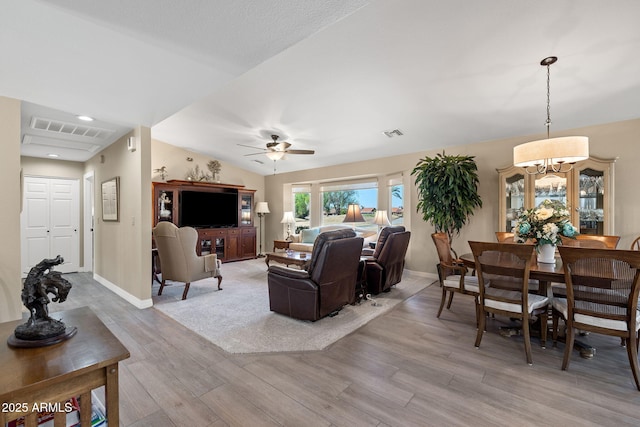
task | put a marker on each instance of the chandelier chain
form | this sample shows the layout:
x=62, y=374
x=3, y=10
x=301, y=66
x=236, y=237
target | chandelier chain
x=548, y=122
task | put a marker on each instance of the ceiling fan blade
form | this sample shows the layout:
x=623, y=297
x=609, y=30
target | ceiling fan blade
x=252, y=147
x=300, y=152
x=254, y=154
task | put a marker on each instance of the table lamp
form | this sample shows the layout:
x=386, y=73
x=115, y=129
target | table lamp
x=381, y=219
x=353, y=214
x=288, y=219
x=262, y=208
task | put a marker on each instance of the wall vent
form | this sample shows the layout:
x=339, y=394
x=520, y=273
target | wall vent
x=392, y=133
x=59, y=127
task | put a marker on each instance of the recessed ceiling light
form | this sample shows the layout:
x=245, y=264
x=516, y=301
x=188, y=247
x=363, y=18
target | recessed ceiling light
x=85, y=118
x=52, y=155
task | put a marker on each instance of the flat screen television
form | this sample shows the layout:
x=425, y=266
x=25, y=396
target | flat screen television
x=201, y=209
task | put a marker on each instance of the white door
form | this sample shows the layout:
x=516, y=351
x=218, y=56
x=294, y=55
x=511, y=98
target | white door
x=50, y=222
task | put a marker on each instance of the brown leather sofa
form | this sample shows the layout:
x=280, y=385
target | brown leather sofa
x=385, y=267
x=325, y=286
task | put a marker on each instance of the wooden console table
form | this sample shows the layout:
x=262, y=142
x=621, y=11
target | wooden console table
x=58, y=372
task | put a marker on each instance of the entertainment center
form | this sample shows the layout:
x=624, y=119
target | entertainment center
x=221, y=213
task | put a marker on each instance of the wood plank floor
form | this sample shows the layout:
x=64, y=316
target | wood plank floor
x=405, y=368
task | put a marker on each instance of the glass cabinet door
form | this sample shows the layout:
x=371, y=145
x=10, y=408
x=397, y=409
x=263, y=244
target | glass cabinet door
x=164, y=206
x=593, y=203
x=551, y=187
x=512, y=197
x=246, y=203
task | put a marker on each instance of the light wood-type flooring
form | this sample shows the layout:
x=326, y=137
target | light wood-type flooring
x=405, y=368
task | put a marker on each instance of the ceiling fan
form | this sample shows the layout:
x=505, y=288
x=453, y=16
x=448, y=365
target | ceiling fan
x=276, y=150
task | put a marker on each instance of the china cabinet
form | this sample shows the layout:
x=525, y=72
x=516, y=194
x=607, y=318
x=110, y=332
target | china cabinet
x=221, y=214
x=586, y=190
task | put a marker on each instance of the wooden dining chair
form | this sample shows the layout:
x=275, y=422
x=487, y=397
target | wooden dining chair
x=635, y=246
x=453, y=275
x=507, y=267
x=602, y=297
x=592, y=241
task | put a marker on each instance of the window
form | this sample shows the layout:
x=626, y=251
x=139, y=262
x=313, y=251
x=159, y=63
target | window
x=301, y=206
x=396, y=200
x=337, y=196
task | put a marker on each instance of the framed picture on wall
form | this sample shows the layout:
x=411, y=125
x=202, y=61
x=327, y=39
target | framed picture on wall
x=110, y=199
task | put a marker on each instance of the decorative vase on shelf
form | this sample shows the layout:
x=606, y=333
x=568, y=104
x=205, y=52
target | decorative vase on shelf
x=547, y=254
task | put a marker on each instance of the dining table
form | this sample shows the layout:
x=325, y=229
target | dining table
x=545, y=274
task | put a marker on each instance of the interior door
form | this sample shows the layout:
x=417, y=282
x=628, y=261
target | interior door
x=64, y=213
x=49, y=221
x=35, y=223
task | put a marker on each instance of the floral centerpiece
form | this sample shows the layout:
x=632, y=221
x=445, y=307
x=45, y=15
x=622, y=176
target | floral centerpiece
x=545, y=224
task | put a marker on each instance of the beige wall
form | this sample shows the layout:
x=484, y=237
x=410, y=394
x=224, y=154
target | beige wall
x=613, y=140
x=10, y=283
x=52, y=168
x=123, y=249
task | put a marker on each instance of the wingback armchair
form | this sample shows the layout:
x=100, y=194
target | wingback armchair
x=385, y=267
x=328, y=283
x=178, y=258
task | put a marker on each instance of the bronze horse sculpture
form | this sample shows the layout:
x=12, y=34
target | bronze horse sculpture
x=35, y=290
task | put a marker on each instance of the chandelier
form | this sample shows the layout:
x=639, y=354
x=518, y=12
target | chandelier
x=550, y=154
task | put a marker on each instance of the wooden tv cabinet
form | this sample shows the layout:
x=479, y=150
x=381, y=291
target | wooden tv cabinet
x=230, y=243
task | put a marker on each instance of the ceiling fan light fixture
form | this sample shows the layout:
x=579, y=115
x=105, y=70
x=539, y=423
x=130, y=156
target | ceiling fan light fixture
x=275, y=155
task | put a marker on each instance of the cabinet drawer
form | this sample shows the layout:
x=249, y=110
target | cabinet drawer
x=211, y=232
x=248, y=231
x=234, y=231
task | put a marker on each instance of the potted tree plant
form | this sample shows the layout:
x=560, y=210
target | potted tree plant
x=447, y=191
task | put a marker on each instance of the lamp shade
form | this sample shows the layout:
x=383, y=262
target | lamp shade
x=288, y=218
x=262, y=208
x=568, y=149
x=381, y=218
x=353, y=214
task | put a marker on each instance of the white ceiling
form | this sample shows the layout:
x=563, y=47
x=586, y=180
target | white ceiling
x=328, y=76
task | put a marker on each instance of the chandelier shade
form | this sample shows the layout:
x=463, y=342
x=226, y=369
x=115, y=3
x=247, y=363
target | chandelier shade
x=551, y=151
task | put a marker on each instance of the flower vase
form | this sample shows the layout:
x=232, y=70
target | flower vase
x=547, y=254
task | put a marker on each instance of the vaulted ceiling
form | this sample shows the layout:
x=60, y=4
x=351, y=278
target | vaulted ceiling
x=330, y=76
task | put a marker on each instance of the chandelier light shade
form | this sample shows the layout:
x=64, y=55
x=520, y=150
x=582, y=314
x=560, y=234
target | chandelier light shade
x=353, y=214
x=550, y=151
x=550, y=154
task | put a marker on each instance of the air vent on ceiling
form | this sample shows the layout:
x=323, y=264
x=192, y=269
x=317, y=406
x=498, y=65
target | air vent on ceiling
x=392, y=133
x=59, y=127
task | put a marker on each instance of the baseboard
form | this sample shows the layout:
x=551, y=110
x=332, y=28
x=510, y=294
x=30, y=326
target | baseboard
x=135, y=301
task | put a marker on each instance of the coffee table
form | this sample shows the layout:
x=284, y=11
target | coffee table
x=292, y=257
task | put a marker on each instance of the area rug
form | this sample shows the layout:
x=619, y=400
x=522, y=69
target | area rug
x=238, y=319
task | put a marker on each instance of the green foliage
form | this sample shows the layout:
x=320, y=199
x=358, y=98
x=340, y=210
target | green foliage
x=447, y=191
x=338, y=200
x=302, y=205
x=396, y=191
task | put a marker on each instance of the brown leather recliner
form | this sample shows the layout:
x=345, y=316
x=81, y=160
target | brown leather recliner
x=328, y=283
x=385, y=268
